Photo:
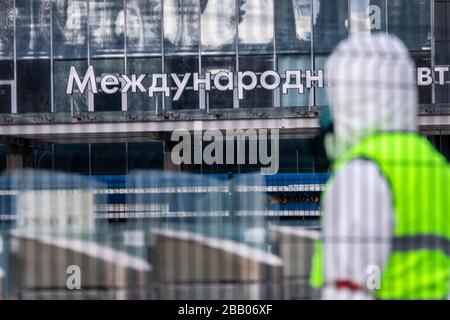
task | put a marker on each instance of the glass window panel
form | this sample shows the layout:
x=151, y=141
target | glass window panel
x=410, y=20
x=442, y=93
x=72, y=158
x=258, y=97
x=4, y=150
x=103, y=101
x=442, y=52
x=423, y=59
x=189, y=98
x=70, y=28
x=219, y=99
x=440, y=20
x=5, y=98
x=181, y=25
x=293, y=25
x=108, y=158
x=146, y=155
x=255, y=28
x=367, y=16
x=218, y=21
x=143, y=26
x=106, y=27
x=442, y=33
x=108, y=66
x=448, y=23
x=7, y=28
x=62, y=101
x=6, y=70
x=441, y=143
x=330, y=24
x=290, y=159
x=33, y=86
x=321, y=93
x=33, y=27
x=293, y=98
x=140, y=101
x=445, y=146
x=42, y=159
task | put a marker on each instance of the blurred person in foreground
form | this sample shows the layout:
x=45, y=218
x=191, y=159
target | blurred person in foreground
x=386, y=210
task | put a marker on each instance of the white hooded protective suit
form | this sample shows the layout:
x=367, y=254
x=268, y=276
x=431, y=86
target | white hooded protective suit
x=371, y=88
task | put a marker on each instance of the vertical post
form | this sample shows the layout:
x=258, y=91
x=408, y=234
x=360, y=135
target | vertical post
x=236, y=41
x=90, y=159
x=163, y=102
x=14, y=88
x=125, y=54
x=168, y=164
x=231, y=197
x=433, y=50
x=276, y=92
x=90, y=94
x=202, y=92
x=52, y=108
x=311, y=98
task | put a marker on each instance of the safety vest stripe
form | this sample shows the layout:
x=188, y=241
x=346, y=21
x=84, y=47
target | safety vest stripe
x=418, y=242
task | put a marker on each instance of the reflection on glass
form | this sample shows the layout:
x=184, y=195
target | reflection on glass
x=410, y=20
x=106, y=26
x=294, y=62
x=63, y=102
x=181, y=24
x=302, y=14
x=367, y=16
x=256, y=23
x=70, y=28
x=143, y=25
x=331, y=24
x=293, y=24
x=359, y=16
x=102, y=101
x=181, y=65
x=6, y=28
x=42, y=159
x=218, y=24
x=217, y=99
x=33, y=85
x=72, y=158
x=33, y=27
x=258, y=97
x=140, y=101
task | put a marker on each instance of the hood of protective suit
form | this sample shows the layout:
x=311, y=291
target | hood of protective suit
x=371, y=88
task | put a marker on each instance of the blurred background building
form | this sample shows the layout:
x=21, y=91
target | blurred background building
x=107, y=137
x=43, y=127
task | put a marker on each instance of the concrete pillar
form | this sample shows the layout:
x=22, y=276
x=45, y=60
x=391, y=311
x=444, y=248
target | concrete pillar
x=18, y=161
x=168, y=164
x=14, y=161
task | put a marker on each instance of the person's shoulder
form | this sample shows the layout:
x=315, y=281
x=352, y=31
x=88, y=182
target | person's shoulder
x=357, y=173
x=359, y=166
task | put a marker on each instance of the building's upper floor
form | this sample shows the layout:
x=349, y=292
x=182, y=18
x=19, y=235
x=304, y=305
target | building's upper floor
x=40, y=40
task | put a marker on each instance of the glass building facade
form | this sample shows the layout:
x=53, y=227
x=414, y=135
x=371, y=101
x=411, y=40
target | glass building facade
x=41, y=39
